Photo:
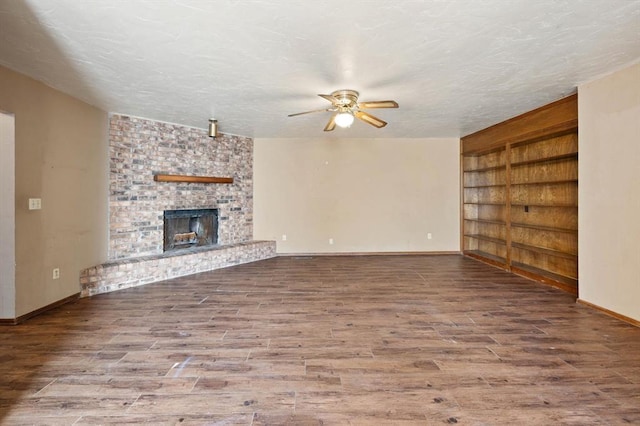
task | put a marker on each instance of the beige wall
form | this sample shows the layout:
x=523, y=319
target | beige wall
x=61, y=157
x=609, y=207
x=368, y=195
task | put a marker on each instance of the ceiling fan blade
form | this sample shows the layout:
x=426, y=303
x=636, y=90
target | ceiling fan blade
x=331, y=124
x=368, y=118
x=329, y=98
x=308, y=112
x=378, y=104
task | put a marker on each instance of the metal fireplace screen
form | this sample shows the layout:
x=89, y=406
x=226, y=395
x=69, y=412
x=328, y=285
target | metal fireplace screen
x=190, y=228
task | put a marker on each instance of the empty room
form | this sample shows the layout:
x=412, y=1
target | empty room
x=246, y=212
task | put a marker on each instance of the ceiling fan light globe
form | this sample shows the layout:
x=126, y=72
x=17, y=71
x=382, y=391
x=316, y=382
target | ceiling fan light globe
x=344, y=119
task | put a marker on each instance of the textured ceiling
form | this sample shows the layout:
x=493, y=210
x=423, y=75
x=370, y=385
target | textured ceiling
x=454, y=66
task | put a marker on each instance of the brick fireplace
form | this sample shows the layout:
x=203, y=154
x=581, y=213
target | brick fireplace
x=139, y=149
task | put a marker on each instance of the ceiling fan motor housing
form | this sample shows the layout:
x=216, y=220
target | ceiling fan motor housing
x=346, y=98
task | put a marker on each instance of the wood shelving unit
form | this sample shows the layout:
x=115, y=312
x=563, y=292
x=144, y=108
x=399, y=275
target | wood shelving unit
x=520, y=195
x=484, y=202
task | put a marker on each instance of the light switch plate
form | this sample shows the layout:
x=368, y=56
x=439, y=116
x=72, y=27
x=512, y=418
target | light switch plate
x=35, y=203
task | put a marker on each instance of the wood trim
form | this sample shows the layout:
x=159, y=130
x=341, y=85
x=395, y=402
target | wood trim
x=606, y=311
x=461, y=197
x=23, y=318
x=555, y=118
x=375, y=253
x=507, y=208
x=191, y=179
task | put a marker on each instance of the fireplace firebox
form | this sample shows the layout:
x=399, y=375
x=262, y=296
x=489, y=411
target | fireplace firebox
x=190, y=228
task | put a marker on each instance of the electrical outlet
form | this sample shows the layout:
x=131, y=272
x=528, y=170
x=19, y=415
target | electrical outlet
x=56, y=273
x=330, y=240
x=429, y=236
x=284, y=237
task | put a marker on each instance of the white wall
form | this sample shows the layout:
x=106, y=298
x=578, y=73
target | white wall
x=609, y=193
x=368, y=195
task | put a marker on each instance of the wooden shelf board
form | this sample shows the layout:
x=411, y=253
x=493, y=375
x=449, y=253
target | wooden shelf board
x=491, y=259
x=486, y=238
x=542, y=205
x=488, y=204
x=567, y=284
x=486, y=186
x=544, y=251
x=191, y=179
x=485, y=169
x=492, y=222
x=571, y=155
x=548, y=182
x=544, y=228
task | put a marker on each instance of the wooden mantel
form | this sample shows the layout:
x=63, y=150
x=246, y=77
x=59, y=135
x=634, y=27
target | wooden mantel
x=191, y=179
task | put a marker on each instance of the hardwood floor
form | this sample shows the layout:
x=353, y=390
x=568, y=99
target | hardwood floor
x=360, y=340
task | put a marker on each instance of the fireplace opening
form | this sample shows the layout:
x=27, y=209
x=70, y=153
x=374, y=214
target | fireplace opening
x=190, y=228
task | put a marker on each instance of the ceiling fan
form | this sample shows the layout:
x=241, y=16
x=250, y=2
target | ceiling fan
x=345, y=106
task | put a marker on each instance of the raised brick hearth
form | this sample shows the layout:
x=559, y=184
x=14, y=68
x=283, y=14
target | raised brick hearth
x=125, y=273
x=140, y=148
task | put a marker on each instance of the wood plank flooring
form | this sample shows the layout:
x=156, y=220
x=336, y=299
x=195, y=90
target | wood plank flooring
x=362, y=340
